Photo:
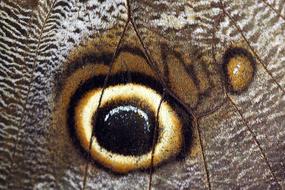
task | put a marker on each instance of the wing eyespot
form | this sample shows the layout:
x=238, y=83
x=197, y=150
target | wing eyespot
x=124, y=132
x=113, y=142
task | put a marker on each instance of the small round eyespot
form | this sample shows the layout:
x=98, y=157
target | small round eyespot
x=239, y=69
x=124, y=131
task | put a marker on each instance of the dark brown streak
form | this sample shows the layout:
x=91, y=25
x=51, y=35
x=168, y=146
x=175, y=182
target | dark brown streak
x=127, y=70
x=153, y=141
x=31, y=79
x=251, y=48
x=255, y=140
x=271, y=7
x=100, y=99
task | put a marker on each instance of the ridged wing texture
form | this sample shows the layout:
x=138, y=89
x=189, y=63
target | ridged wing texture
x=40, y=39
x=243, y=141
x=27, y=62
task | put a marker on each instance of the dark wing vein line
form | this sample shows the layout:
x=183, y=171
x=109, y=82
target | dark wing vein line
x=196, y=124
x=271, y=7
x=100, y=99
x=153, y=141
x=263, y=155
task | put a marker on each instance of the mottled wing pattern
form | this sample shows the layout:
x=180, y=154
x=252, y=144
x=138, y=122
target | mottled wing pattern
x=241, y=137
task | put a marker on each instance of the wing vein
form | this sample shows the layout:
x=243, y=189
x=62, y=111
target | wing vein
x=272, y=8
x=153, y=142
x=100, y=99
x=255, y=139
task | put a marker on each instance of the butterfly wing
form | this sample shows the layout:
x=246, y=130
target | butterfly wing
x=240, y=137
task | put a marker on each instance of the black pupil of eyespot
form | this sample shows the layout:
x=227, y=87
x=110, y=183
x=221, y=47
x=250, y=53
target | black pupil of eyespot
x=125, y=129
